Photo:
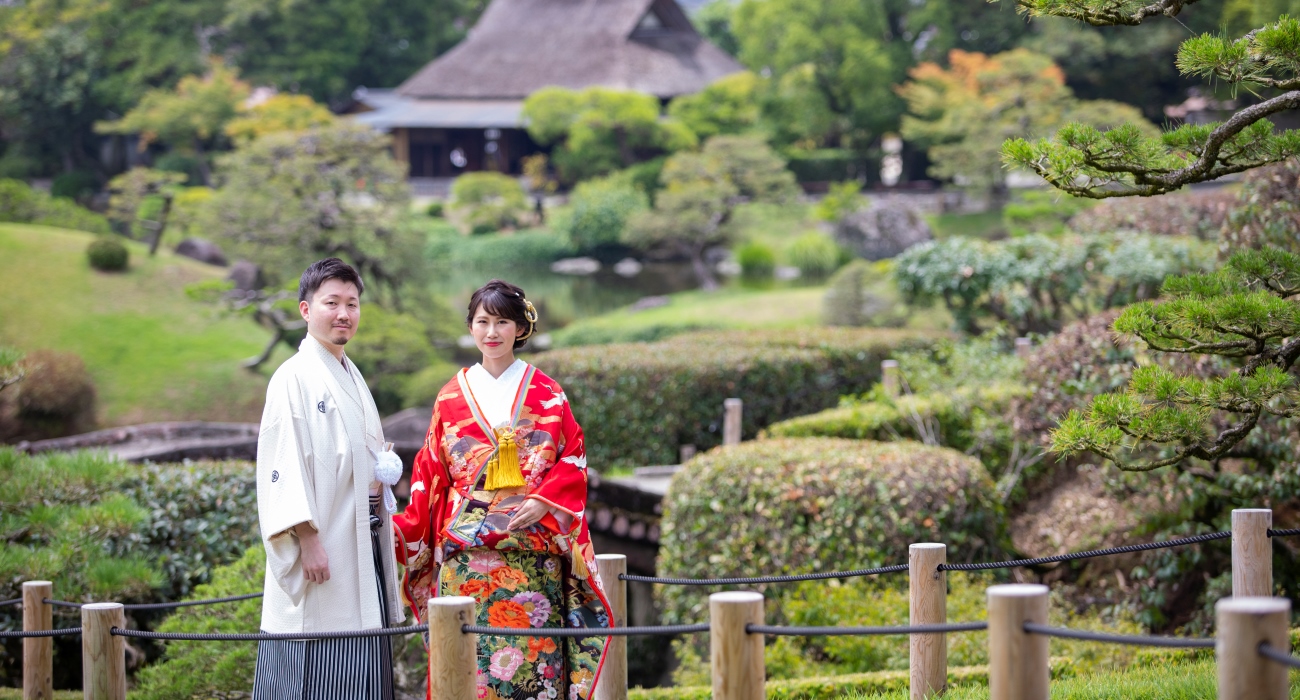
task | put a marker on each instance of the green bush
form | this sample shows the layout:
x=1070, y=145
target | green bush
x=825, y=165
x=757, y=261
x=18, y=202
x=815, y=254
x=76, y=185
x=1041, y=211
x=842, y=199
x=107, y=254
x=434, y=210
x=393, y=347
x=798, y=505
x=599, y=212
x=640, y=402
x=56, y=396
x=449, y=249
x=22, y=204
x=862, y=294
x=487, y=201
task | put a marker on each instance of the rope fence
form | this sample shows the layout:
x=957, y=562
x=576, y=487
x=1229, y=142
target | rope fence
x=1016, y=627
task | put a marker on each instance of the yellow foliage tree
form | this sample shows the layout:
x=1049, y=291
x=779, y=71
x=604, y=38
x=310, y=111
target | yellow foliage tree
x=282, y=112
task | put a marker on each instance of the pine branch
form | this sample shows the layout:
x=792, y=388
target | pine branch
x=1106, y=13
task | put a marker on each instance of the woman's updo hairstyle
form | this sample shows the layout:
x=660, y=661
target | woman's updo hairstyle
x=505, y=300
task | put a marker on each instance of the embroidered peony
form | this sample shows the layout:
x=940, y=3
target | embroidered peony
x=477, y=588
x=540, y=645
x=509, y=579
x=538, y=607
x=486, y=562
x=507, y=613
x=505, y=663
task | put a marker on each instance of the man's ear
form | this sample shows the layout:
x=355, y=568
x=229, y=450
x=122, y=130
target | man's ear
x=302, y=309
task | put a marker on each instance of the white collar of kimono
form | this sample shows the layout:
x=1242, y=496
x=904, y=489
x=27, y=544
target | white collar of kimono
x=496, y=395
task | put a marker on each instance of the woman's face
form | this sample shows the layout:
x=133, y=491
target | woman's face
x=494, y=335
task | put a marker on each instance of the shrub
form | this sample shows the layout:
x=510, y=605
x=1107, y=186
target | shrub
x=487, y=201
x=529, y=247
x=600, y=212
x=799, y=505
x=107, y=254
x=56, y=396
x=842, y=199
x=22, y=204
x=638, y=403
x=1200, y=214
x=825, y=165
x=393, y=347
x=1267, y=210
x=434, y=210
x=857, y=296
x=18, y=202
x=76, y=185
x=757, y=261
x=1040, y=211
x=815, y=254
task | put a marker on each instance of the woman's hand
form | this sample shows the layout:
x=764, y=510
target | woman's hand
x=528, y=515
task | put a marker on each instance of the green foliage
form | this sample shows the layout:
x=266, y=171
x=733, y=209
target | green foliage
x=700, y=195
x=288, y=199
x=107, y=254
x=390, y=348
x=815, y=254
x=867, y=686
x=78, y=185
x=826, y=165
x=143, y=195
x=283, y=112
x=797, y=505
x=487, y=201
x=1242, y=311
x=728, y=105
x=962, y=114
x=450, y=249
x=1037, y=283
x=599, y=130
x=714, y=19
x=757, y=261
x=20, y=203
x=434, y=210
x=1267, y=211
x=862, y=293
x=842, y=199
x=600, y=210
x=638, y=403
x=1041, y=212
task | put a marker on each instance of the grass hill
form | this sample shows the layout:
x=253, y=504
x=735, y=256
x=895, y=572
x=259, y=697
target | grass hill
x=154, y=353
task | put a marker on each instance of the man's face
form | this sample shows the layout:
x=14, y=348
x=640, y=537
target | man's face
x=333, y=312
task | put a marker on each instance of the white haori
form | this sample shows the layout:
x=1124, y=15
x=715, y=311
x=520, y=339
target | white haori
x=315, y=463
x=496, y=395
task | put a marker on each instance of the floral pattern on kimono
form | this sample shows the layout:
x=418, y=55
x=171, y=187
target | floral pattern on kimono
x=452, y=525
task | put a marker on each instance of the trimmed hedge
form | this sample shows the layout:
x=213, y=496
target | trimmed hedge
x=829, y=688
x=639, y=402
x=800, y=505
x=20, y=203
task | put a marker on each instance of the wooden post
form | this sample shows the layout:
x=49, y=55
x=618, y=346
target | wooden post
x=1252, y=553
x=684, y=453
x=1018, y=668
x=928, y=604
x=453, y=671
x=736, y=656
x=38, y=652
x=732, y=409
x=613, y=678
x=103, y=655
x=1024, y=346
x=889, y=378
x=1244, y=623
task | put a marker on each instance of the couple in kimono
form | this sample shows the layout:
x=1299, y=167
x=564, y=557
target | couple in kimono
x=496, y=513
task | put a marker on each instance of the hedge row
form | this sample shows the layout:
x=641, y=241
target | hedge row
x=638, y=403
x=799, y=505
x=829, y=688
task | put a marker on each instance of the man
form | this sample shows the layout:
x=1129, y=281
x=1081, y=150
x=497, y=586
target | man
x=317, y=503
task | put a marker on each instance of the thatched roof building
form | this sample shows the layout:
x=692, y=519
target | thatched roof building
x=461, y=111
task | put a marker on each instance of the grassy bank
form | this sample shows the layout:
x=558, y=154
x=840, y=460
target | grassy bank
x=154, y=353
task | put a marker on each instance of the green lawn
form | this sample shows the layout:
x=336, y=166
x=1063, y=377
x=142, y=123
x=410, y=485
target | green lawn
x=154, y=353
x=985, y=224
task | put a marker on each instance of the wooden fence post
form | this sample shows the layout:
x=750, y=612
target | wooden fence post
x=1024, y=346
x=103, y=655
x=453, y=671
x=889, y=378
x=38, y=652
x=613, y=678
x=732, y=411
x=735, y=655
x=928, y=605
x=1252, y=553
x=1244, y=623
x=1018, y=664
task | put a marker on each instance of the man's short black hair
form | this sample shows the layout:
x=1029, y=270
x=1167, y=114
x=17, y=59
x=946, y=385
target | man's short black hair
x=328, y=269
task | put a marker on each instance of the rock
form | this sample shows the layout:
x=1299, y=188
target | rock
x=247, y=276
x=882, y=230
x=203, y=251
x=628, y=267
x=649, y=303
x=576, y=266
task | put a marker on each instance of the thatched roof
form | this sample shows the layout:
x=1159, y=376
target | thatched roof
x=519, y=46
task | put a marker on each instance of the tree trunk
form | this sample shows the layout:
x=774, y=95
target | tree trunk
x=702, y=272
x=624, y=152
x=162, y=225
x=205, y=172
x=255, y=362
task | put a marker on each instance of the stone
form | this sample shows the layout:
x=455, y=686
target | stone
x=247, y=276
x=881, y=230
x=203, y=251
x=576, y=266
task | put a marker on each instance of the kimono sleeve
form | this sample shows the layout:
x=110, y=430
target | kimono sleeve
x=416, y=526
x=285, y=483
x=564, y=487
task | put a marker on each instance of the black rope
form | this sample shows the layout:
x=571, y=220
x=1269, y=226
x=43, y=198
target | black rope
x=40, y=633
x=1268, y=651
x=1126, y=549
x=845, y=631
x=270, y=636
x=1283, y=533
x=1183, y=642
x=160, y=606
x=765, y=579
x=583, y=631
x=7, y=603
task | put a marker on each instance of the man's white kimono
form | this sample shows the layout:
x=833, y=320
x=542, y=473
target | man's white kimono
x=316, y=453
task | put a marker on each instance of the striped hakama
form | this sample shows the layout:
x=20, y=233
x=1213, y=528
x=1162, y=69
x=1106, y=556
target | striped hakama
x=330, y=669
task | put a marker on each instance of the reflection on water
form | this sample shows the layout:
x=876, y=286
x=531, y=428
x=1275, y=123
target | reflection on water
x=562, y=299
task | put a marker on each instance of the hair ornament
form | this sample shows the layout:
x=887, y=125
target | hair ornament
x=530, y=313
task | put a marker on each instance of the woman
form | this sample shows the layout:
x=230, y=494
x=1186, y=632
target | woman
x=497, y=512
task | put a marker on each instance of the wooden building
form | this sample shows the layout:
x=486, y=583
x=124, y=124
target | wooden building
x=462, y=111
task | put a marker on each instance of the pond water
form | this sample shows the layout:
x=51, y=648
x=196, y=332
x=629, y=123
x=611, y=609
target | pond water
x=563, y=298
